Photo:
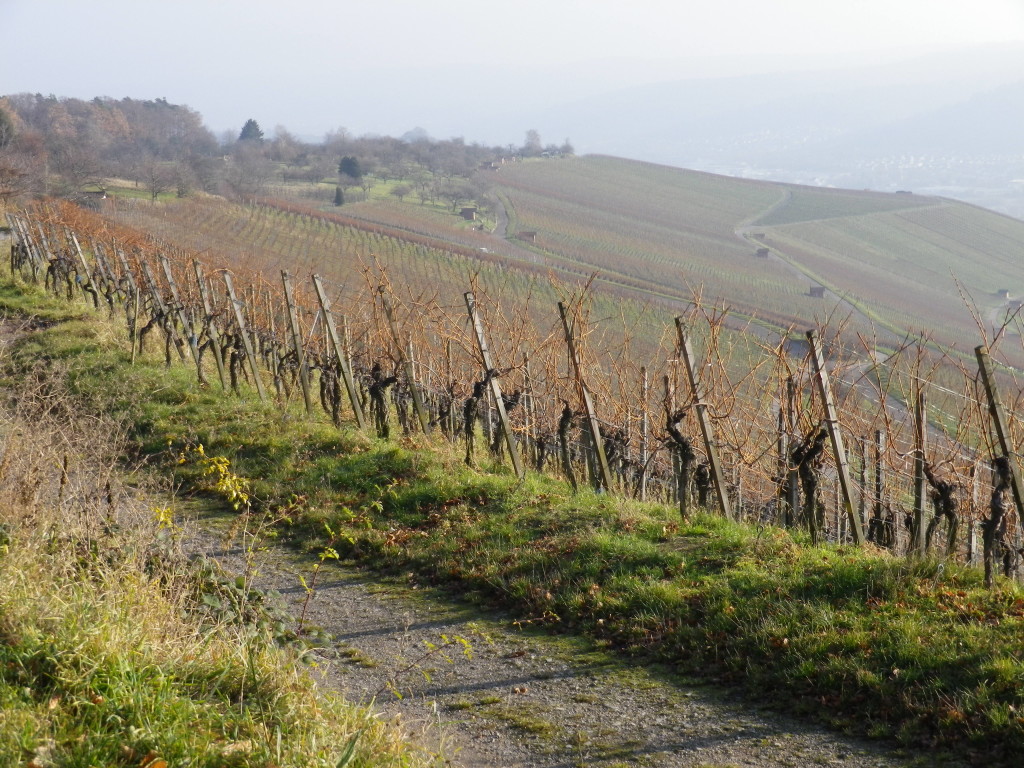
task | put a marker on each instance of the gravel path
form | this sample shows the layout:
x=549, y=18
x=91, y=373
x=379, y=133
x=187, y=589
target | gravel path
x=521, y=698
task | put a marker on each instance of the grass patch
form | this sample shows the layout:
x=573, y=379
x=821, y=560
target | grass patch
x=869, y=642
x=114, y=648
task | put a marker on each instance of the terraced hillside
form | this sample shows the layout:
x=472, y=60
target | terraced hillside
x=901, y=263
x=348, y=251
x=888, y=265
x=907, y=268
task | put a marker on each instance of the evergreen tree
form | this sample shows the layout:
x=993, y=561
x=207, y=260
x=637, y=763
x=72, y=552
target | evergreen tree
x=349, y=166
x=251, y=131
x=339, y=198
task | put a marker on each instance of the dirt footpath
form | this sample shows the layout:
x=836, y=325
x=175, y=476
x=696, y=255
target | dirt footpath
x=481, y=690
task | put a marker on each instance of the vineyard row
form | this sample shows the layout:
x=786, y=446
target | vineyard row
x=798, y=432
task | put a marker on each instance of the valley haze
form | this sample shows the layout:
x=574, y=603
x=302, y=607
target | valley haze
x=882, y=95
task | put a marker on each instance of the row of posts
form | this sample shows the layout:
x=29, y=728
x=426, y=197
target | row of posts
x=34, y=248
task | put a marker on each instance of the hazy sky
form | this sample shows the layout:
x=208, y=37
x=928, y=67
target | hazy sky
x=387, y=65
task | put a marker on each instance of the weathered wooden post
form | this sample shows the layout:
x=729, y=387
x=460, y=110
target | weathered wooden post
x=700, y=408
x=530, y=416
x=126, y=268
x=135, y=297
x=211, y=323
x=17, y=244
x=339, y=352
x=485, y=355
x=39, y=258
x=417, y=400
x=603, y=478
x=45, y=252
x=88, y=284
x=669, y=401
x=792, y=473
x=243, y=331
x=995, y=409
x=274, y=358
x=972, y=532
x=917, y=531
x=179, y=310
x=106, y=274
x=782, y=464
x=161, y=307
x=35, y=258
x=862, y=482
x=300, y=352
x=645, y=429
x=835, y=436
x=881, y=536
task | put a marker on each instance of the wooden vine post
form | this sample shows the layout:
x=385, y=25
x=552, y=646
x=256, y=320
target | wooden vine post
x=917, y=530
x=243, y=331
x=106, y=277
x=645, y=433
x=46, y=252
x=835, y=437
x=700, y=408
x=603, y=478
x=102, y=270
x=211, y=323
x=275, y=358
x=485, y=354
x=417, y=399
x=300, y=354
x=782, y=446
x=35, y=256
x=135, y=298
x=88, y=284
x=346, y=370
x=161, y=306
x=878, y=521
x=528, y=413
x=995, y=409
x=179, y=309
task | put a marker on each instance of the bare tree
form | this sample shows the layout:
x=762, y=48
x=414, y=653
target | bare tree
x=456, y=192
x=400, y=191
x=249, y=171
x=156, y=177
x=76, y=168
x=532, y=147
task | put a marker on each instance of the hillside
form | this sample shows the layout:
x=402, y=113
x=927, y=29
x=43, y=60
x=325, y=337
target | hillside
x=890, y=264
x=915, y=650
x=897, y=261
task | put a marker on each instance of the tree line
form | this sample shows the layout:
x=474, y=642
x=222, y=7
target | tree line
x=73, y=148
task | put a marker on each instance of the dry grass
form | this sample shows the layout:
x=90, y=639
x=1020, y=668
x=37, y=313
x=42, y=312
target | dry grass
x=103, y=658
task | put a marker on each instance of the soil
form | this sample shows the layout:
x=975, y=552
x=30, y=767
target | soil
x=514, y=696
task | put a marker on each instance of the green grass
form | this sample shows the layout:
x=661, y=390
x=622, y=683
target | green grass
x=868, y=642
x=114, y=650
x=97, y=667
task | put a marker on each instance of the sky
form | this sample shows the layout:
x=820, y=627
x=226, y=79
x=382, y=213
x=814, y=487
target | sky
x=386, y=66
